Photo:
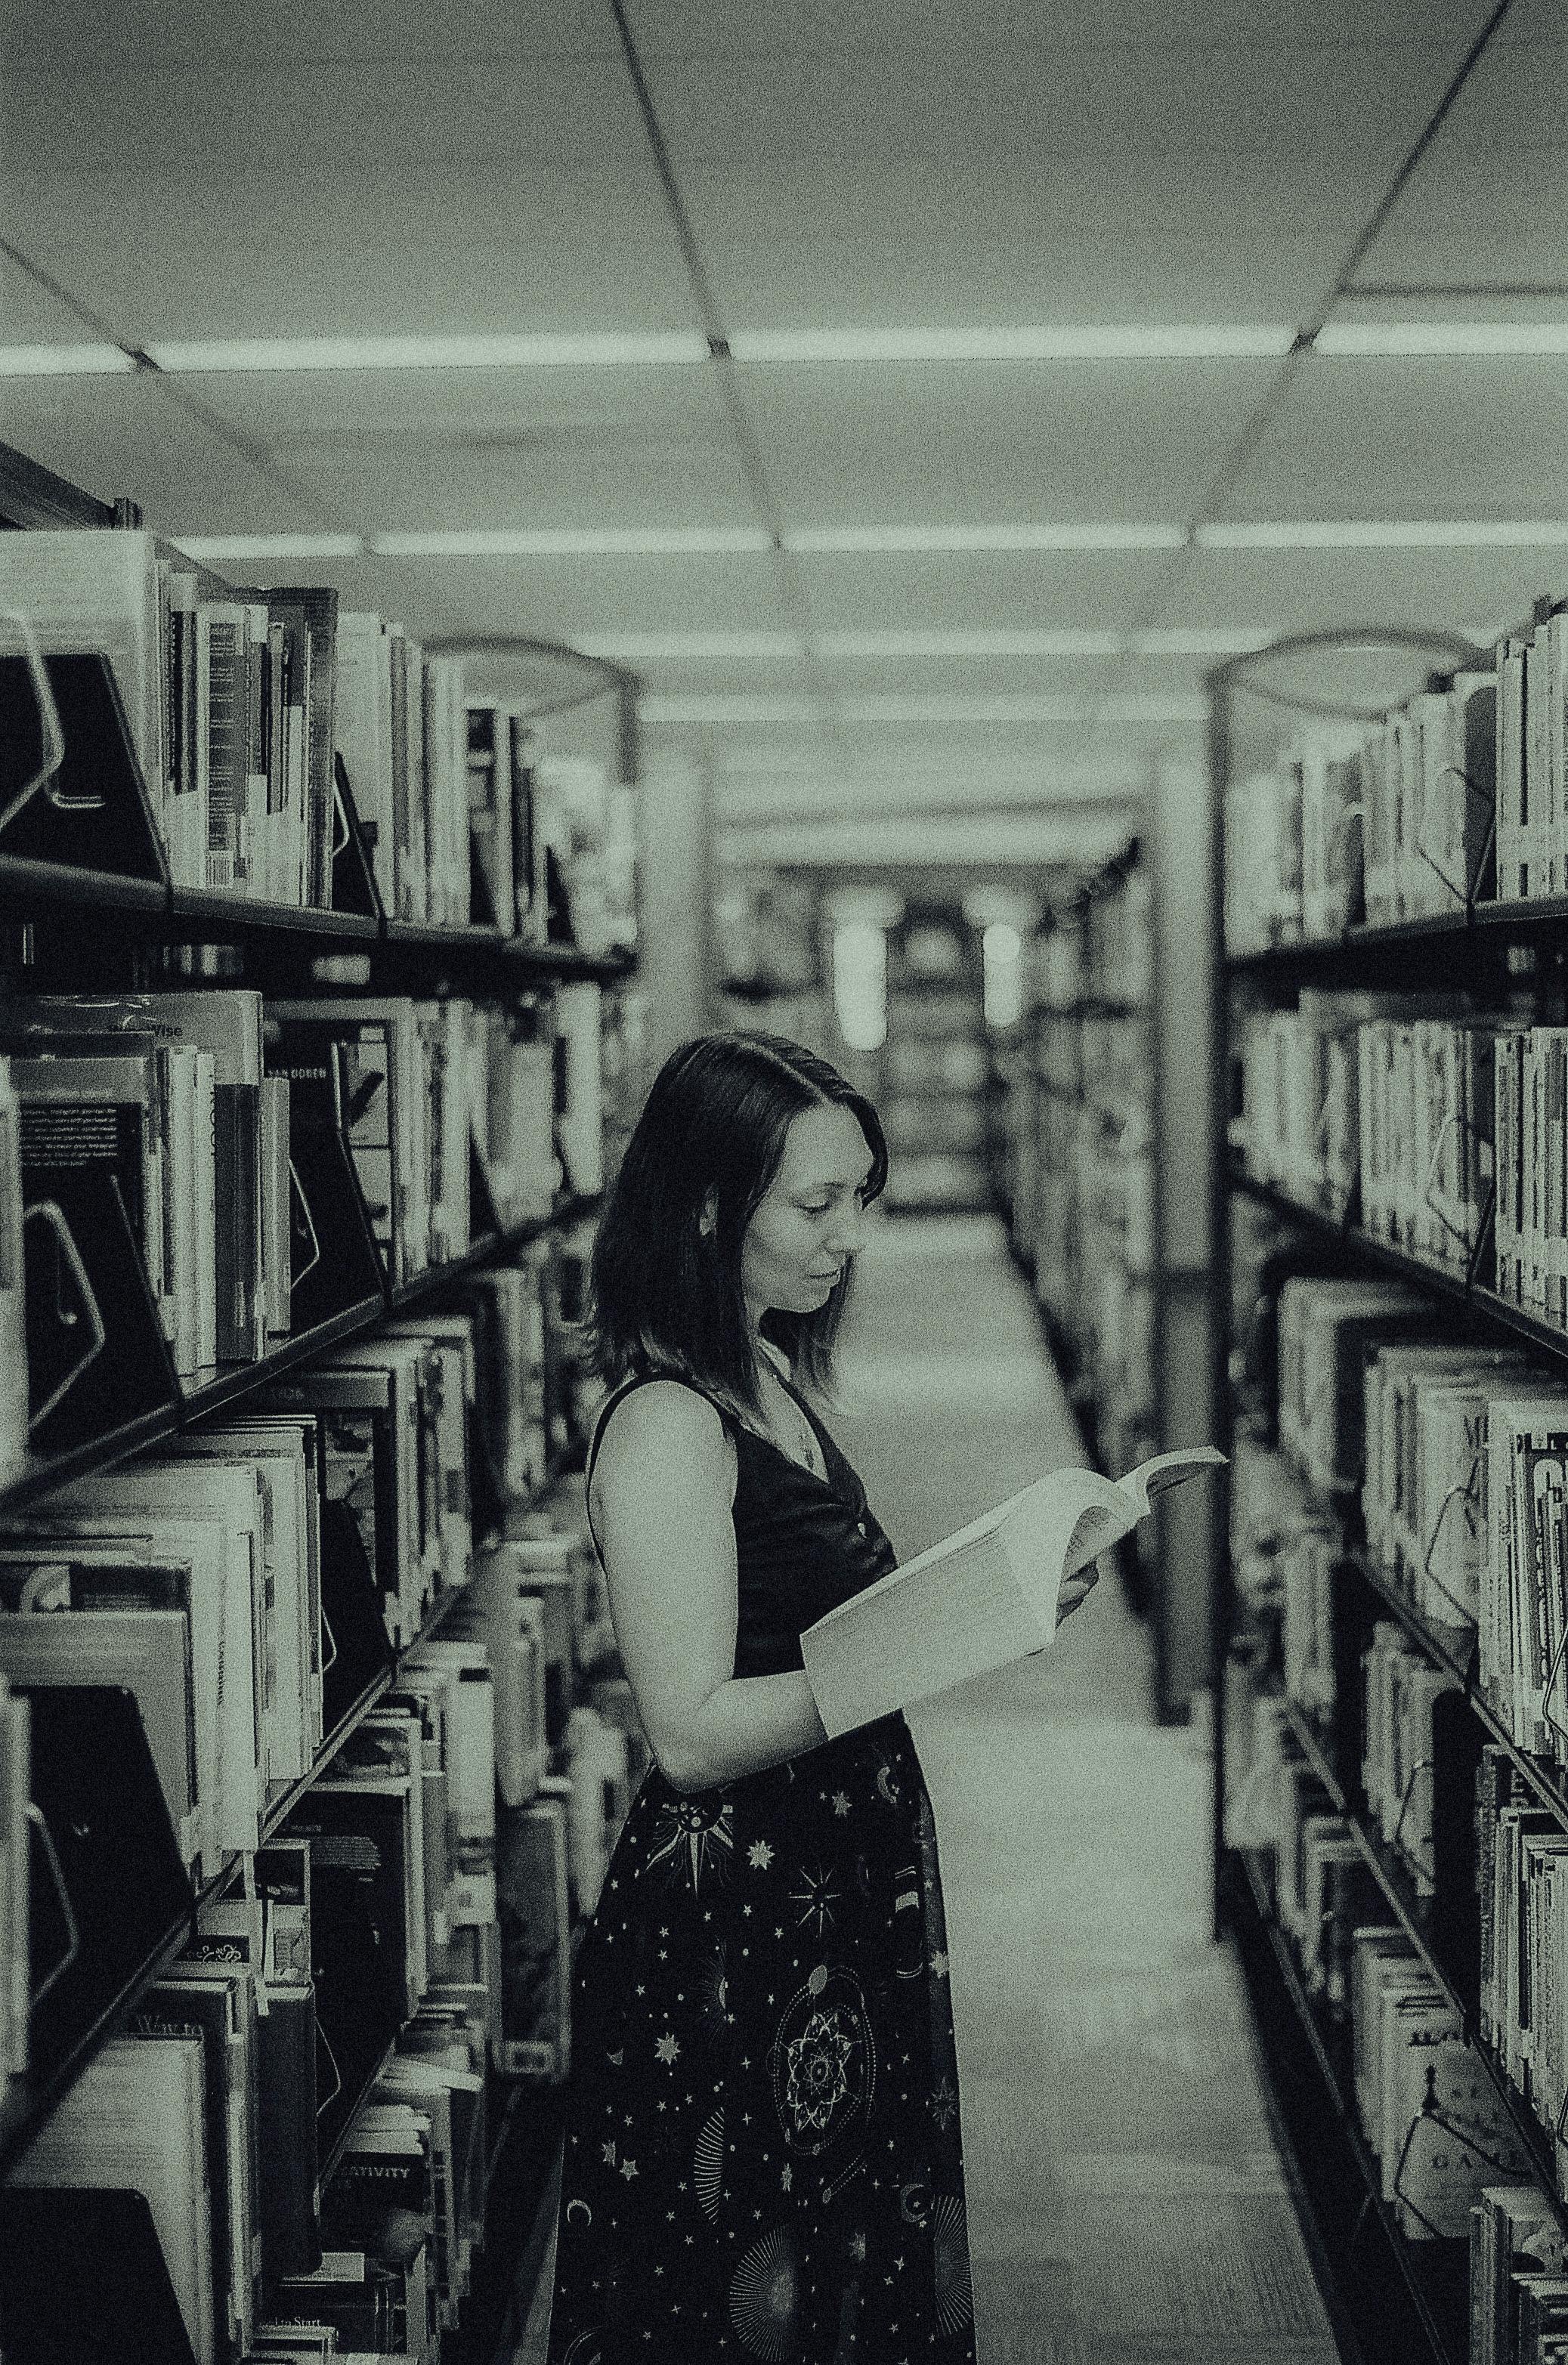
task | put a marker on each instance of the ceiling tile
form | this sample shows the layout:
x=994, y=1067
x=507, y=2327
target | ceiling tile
x=87, y=34
x=754, y=29
x=1412, y=437
x=446, y=449
x=183, y=250
x=975, y=240
x=1046, y=109
x=1310, y=590
x=137, y=436
x=558, y=599
x=974, y=591
x=292, y=112
x=993, y=443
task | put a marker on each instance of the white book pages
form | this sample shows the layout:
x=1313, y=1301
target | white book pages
x=984, y=1597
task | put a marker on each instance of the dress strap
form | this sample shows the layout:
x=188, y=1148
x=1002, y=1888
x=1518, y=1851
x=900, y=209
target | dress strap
x=616, y=1397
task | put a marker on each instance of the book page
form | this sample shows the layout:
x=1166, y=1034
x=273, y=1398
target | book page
x=985, y=1597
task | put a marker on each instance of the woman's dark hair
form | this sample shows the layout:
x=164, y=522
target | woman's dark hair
x=665, y=1292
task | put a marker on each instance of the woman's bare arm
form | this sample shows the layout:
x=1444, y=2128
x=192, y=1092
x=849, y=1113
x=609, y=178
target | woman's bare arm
x=663, y=1488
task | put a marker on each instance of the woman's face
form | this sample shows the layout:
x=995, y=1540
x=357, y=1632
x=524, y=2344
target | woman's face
x=809, y=1221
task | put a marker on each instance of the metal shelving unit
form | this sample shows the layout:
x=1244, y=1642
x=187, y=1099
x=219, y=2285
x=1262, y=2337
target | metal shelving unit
x=1508, y=947
x=138, y=917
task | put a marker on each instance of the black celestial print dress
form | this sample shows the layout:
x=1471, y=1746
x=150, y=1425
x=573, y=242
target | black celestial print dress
x=762, y=2152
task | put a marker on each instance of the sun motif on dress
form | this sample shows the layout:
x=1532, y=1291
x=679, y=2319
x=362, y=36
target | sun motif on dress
x=765, y=2297
x=954, y=2290
x=708, y=2166
x=817, y=1897
x=694, y=1834
x=711, y=1982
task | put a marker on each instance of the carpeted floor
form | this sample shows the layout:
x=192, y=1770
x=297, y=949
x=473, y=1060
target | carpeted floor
x=1125, y=2204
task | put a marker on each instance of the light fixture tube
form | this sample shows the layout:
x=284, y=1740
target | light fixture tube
x=1484, y=339
x=1385, y=533
x=251, y=356
x=64, y=361
x=1090, y=341
x=654, y=648
x=223, y=549
x=867, y=539
x=576, y=542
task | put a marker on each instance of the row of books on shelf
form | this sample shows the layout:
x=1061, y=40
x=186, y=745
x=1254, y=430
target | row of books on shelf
x=246, y=710
x=1449, y=2160
x=1440, y=1130
x=1101, y=947
x=327, y=1671
x=1458, y=795
x=208, y=1174
x=1455, y=1456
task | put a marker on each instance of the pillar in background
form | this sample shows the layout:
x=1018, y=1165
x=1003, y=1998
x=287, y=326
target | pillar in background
x=1184, y=1087
x=675, y=959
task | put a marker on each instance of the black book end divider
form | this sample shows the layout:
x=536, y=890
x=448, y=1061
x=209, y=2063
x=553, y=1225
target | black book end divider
x=1457, y=1739
x=90, y=810
x=96, y=1355
x=334, y=1262
x=109, y=1885
x=353, y=876
x=83, y=2275
x=482, y=911
x=483, y=1218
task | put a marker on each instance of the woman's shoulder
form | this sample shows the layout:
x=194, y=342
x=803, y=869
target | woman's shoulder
x=664, y=1417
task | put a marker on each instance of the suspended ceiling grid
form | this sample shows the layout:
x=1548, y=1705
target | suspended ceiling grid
x=181, y=174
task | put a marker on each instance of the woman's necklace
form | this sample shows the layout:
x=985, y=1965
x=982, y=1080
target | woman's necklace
x=806, y=1448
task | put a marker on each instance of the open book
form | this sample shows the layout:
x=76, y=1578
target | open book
x=984, y=1597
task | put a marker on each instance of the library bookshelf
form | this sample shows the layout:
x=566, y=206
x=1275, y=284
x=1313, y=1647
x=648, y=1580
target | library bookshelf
x=115, y=923
x=1090, y=1170
x=1291, y=1228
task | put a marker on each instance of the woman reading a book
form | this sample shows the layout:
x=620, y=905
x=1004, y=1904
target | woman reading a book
x=762, y=2155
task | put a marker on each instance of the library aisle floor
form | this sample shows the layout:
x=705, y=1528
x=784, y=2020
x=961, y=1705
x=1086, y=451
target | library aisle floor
x=1126, y=2204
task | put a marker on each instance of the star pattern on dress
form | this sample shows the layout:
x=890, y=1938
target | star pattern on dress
x=802, y=2027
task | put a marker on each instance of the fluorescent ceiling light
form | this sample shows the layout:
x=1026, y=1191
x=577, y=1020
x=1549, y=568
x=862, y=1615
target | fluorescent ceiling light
x=970, y=645
x=1021, y=709
x=576, y=542
x=248, y=355
x=64, y=361
x=1499, y=337
x=890, y=538
x=652, y=648
x=1094, y=340
x=1386, y=533
x=731, y=710
x=1200, y=641
x=927, y=710
x=219, y=549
